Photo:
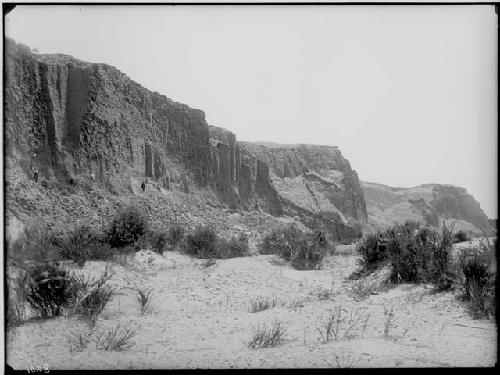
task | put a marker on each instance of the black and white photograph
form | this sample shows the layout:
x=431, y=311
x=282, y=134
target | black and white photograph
x=249, y=186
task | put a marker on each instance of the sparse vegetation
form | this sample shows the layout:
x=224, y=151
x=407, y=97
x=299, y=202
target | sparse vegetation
x=144, y=299
x=115, y=338
x=261, y=304
x=342, y=324
x=323, y=293
x=343, y=360
x=389, y=318
x=305, y=251
x=264, y=337
x=237, y=246
x=127, y=227
x=364, y=288
x=77, y=342
x=204, y=243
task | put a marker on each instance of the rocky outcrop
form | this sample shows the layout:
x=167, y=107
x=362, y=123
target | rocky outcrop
x=431, y=204
x=241, y=178
x=315, y=178
x=72, y=119
x=80, y=123
x=316, y=184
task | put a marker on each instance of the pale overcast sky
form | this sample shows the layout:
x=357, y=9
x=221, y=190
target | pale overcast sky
x=408, y=93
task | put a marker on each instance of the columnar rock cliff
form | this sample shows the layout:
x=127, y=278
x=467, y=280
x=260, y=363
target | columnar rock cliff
x=76, y=122
x=429, y=203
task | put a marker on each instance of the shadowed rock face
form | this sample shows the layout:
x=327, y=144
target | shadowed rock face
x=430, y=203
x=316, y=178
x=74, y=121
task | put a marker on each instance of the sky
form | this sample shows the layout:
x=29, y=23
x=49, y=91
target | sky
x=408, y=93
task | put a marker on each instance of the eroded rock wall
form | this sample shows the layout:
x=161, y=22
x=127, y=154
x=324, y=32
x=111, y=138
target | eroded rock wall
x=76, y=121
x=431, y=204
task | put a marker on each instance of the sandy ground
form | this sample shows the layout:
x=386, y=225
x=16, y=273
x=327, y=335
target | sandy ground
x=199, y=318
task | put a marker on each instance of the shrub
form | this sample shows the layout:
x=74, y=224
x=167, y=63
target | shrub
x=158, y=241
x=342, y=324
x=127, y=227
x=76, y=246
x=144, y=299
x=114, y=339
x=372, y=249
x=37, y=244
x=478, y=279
x=202, y=243
x=261, y=304
x=77, y=343
x=315, y=248
x=175, y=235
x=460, y=236
x=283, y=241
x=154, y=240
x=264, y=337
x=234, y=247
x=101, y=251
x=305, y=250
x=416, y=254
x=18, y=281
x=48, y=290
x=89, y=296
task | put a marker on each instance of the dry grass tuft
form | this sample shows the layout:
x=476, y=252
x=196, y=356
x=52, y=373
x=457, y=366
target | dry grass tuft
x=341, y=324
x=264, y=337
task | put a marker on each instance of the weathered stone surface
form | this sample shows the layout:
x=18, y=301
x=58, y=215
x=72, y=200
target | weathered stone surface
x=315, y=183
x=431, y=204
x=89, y=124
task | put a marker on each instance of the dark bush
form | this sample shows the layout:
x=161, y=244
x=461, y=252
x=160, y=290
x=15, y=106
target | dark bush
x=127, y=227
x=416, y=254
x=89, y=296
x=460, y=236
x=237, y=246
x=37, y=244
x=152, y=240
x=310, y=256
x=283, y=241
x=477, y=265
x=76, y=245
x=305, y=250
x=101, y=251
x=202, y=243
x=175, y=235
x=158, y=241
x=48, y=290
x=372, y=248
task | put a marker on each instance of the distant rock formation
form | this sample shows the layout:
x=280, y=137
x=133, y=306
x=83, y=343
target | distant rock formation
x=77, y=122
x=431, y=204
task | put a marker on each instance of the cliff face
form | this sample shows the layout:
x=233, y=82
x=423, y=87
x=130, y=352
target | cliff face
x=78, y=122
x=315, y=178
x=315, y=183
x=73, y=119
x=240, y=178
x=429, y=203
